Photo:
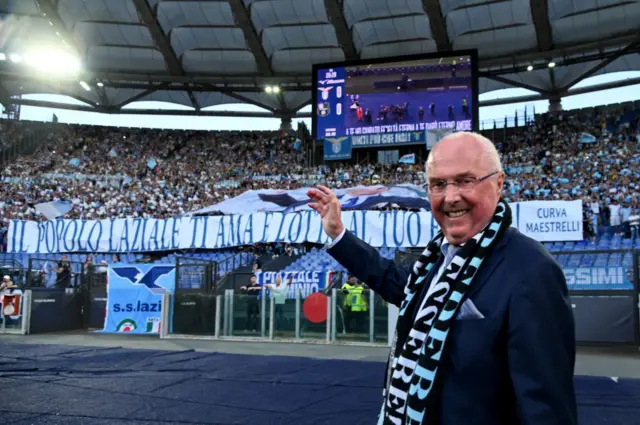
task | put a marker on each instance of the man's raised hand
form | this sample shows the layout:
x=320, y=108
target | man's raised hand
x=327, y=204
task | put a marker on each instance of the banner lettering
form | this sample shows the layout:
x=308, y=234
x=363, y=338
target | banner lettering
x=307, y=282
x=616, y=278
x=541, y=220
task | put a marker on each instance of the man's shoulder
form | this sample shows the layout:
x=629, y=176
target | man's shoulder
x=525, y=249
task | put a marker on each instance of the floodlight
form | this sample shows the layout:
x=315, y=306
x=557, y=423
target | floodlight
x=54, y=62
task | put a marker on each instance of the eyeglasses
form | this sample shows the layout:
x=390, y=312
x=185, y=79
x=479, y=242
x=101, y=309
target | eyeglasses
x=464, y=184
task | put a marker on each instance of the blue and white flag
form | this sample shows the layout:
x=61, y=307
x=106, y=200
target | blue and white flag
x=354, y=198
x=408, y=159
x=74, y=162
x=54, y=209
x=587, y=138
x=151, y=163
x=134, y=297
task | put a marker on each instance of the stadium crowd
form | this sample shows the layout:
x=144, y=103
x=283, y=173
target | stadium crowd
x=123, y=172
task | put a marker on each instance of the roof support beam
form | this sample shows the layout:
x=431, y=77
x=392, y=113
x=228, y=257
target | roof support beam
x=230, y=93
x=51, y=13
x=513, y=83
x=243, y=19
x=182, y=112
x=142, y=95
x=335, y=12
x=588, y=73
x=159, y=37
x=438, y=24
x=150, y=19
x=301, y=105
x=192, y=97
x=581, y=90
x=540, y=16
x=552, y=80
x=5, y=98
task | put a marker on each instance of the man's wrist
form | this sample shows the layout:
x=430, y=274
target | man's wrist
x=337, y=239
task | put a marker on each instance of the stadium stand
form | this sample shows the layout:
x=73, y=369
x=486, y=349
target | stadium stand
x=169, y=173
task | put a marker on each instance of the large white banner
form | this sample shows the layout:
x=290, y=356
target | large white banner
x=407, y=196
x=542, y=220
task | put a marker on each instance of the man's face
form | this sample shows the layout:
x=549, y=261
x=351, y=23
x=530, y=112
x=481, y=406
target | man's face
x=463, y=213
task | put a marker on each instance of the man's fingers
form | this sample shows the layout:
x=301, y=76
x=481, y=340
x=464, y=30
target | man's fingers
x=325, y=190
x=314, y=194
x=317, y=196
x=316, y=207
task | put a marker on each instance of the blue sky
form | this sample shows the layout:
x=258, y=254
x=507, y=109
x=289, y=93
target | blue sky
x=487, y=114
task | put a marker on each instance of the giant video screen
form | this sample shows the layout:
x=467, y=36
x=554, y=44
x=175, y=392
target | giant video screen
x=388, y=96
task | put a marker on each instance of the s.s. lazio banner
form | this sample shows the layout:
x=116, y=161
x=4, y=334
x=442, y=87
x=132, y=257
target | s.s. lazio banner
x=541, y=220
x=307, y=282
x=134, y=297
x=336, y=148
x=616, y=278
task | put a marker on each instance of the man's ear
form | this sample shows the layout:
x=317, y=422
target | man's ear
x=500, y=188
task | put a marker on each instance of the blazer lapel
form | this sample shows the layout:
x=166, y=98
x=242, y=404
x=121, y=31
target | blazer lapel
x=489, y=265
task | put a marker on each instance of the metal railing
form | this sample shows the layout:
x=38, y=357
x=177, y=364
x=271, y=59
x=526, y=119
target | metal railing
x=324, y=316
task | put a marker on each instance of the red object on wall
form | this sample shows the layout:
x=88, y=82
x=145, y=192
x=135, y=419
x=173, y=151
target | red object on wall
x=315, y=307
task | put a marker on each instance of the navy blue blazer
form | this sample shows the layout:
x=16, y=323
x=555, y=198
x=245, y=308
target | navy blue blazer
x=515, y=366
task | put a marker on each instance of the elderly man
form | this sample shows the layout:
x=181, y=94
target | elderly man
x=485, y=334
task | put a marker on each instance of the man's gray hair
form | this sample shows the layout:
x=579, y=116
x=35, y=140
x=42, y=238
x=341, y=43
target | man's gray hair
x=489, y=149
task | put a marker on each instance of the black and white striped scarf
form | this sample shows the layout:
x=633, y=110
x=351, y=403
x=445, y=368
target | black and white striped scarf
x=412, y=387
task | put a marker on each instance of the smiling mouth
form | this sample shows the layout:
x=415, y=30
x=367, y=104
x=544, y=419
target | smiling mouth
x=456, y=214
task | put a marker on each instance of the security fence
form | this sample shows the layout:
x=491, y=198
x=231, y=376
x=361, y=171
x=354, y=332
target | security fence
x=603, y=291
x=321, y=316
x=232, y=313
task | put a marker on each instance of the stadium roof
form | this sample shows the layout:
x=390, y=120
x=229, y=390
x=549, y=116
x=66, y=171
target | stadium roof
x=201, y=53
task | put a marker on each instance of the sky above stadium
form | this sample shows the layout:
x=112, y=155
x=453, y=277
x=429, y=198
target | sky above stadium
x=487, y=114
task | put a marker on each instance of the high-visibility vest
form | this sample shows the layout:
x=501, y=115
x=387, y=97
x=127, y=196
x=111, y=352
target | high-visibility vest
x=355, y=299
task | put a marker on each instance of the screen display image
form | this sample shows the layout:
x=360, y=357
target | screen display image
x=401, y=96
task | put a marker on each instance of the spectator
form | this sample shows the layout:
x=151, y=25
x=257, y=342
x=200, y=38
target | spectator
x=63, y=279
x=108, y=172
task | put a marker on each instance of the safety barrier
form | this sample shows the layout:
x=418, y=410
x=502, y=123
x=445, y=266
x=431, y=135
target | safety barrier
x=603, y=290
x=40, y=310
x=319, y=317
